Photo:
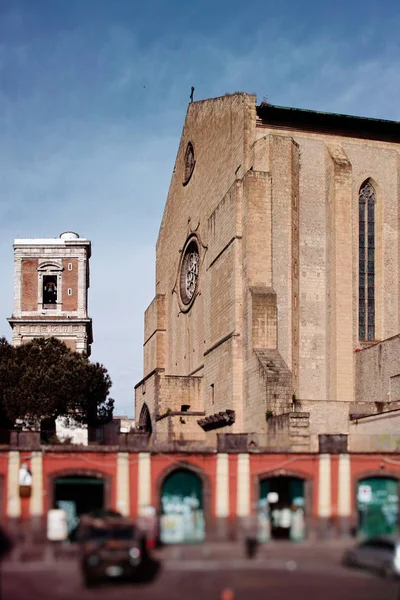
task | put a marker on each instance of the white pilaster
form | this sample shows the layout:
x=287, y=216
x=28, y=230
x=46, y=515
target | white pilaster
x=243, y=485
x=13, y=499
x=144, y=481
x=82, y=287
x=36, y=500
x=123, y=486
x=344, y=487
x=222, y=486
x=17, y=286
x=324, y=486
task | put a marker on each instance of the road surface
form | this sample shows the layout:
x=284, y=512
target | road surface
x=202, y=580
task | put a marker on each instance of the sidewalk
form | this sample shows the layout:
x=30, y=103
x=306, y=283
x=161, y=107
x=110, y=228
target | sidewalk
x=229, y=550
x=206, y=551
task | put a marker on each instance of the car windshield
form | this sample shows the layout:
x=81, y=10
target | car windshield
x=111, y=533
x=378, y=544
x=122, y=533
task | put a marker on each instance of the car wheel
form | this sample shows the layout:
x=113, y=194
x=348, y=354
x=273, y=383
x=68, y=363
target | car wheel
x=387, y=572
x=89, y=581
x=349, y=560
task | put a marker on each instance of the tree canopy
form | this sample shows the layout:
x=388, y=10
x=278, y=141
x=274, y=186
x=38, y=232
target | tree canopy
x=44, y=379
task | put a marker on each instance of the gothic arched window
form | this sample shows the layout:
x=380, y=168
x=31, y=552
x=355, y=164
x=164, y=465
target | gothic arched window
x=366, y=270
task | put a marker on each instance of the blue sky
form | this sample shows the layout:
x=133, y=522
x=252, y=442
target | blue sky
x=93, y=95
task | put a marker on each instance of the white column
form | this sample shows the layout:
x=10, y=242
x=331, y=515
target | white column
x=123, y=487
x=144, y=481
x=13, y=499
x=324, y=486
x=36, y=500
x=243, y=485
x=222, y=486
x=344, y=487
x=17, y=286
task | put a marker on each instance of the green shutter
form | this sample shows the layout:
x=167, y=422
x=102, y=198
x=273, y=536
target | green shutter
x=378, y=506
x=182, y=518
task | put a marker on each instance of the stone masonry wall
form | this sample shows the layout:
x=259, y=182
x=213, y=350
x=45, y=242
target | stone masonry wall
x=332, y=170
x=378, y=372
x=154, y=335
x=289, y=431
x=275, y=213
x=29, y=284
x=218, y=130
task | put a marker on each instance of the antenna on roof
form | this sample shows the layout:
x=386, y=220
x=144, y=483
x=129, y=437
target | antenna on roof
x=191, y=94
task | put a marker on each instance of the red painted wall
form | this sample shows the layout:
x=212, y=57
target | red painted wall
x=105, y=463
x=25, y=458
x=133, y=480
x=233, y=460
x=361, y=465
x=334, y=484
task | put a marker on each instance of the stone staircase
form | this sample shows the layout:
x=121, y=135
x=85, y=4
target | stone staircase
x=278, y=380
x=289, y=432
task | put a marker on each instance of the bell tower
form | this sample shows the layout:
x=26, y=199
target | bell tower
x=51, y=282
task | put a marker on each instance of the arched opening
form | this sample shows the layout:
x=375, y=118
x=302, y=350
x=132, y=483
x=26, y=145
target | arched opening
x=78, y=495
x=182, y=508
x=378, y=506
x=145, y=420
x=282, y=506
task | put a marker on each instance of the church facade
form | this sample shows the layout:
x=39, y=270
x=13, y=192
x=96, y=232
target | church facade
x=277, y=282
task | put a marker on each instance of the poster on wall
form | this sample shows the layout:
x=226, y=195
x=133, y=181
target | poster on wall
x=364, y=493
x=69, y=507
x=57, y=529
x=182, y=520
x=172, y=529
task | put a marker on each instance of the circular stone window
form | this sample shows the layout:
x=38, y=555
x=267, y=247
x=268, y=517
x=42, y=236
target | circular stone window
x=189, y=273
x=189, y=163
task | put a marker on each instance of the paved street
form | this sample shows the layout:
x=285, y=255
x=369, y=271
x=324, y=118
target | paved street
x=280, y=578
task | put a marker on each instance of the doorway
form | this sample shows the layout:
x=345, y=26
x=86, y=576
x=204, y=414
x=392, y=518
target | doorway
x=378, y=506
x=78, y=495
x=182, y=508
x=282, y=508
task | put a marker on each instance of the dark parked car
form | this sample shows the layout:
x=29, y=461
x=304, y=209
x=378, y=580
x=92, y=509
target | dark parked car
x=112, y=547
x=5, y=544
x=381, y=555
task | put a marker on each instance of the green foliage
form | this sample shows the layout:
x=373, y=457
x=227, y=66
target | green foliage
x=269, y=414
x=44, y=379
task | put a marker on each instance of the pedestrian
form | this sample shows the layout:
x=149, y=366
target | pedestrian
x=251, y=536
